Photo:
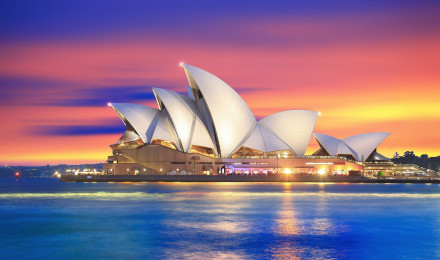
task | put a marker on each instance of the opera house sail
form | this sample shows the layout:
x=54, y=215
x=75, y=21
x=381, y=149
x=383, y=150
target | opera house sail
x=213, y=131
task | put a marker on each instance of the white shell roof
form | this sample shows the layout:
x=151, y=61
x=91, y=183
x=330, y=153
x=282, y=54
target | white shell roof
x=138, y=116
x=185, y=117
x=255, y=140
x=232, y=118
x=180, y=113
x=128, y=136
x=364, y=144
x=294, y=127
x=379, y=157
x=215, y=116
x=201, y=136
x=330, y=143
x=271, y=141
x=345, y=149
x=206, y=118
x=333, y=145
x=163, y=129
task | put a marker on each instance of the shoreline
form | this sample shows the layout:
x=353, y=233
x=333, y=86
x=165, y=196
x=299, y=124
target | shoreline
x=243, y=178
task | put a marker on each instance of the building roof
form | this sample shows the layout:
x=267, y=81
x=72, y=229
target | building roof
x=294, y=127
x=185, y=117
x=359, y=146
x=214, y=116
x=139, y=117
x=365, y=144
x=232, y=118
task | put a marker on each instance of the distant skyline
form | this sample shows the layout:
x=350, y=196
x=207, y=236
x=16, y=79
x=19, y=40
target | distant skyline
x=366, y=66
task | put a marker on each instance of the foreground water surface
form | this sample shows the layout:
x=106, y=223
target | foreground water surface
x=47, y=219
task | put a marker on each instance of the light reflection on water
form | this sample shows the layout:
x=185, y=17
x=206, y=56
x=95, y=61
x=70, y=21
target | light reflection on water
x=290, y=228
x=218, y=220
x=193, y=195
x=85, y=195
x=286, y=225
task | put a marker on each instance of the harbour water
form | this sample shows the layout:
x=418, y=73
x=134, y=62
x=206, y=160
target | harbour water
x=48, y=219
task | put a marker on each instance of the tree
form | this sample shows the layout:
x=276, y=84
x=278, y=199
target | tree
x=409, y=154
x=424, y=157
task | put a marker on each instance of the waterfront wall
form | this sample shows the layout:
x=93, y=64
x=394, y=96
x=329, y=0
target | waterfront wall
x=239, y=178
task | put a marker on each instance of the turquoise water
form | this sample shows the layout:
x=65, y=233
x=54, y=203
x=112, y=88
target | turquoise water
x=47, y=219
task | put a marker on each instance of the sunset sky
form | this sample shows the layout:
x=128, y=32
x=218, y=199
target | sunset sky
x=367, y=66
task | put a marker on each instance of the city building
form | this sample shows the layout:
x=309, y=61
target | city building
x=213, y=131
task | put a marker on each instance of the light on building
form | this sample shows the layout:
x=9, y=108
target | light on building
x=319, y=163
x=109, y=104
x=287, y=171
x=321, y=171
x=181, y=64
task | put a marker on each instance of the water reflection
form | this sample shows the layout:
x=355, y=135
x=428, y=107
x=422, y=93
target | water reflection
x=191, y=250
x=286, y=223
x=228, y=226
x=228, y=196
x=213, y=226
x=286, y=226
x=219, y=221
x=86, y=195
x=292, y=230
x=320, y=224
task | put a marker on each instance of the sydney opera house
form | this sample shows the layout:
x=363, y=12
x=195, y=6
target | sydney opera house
x=212, y=131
